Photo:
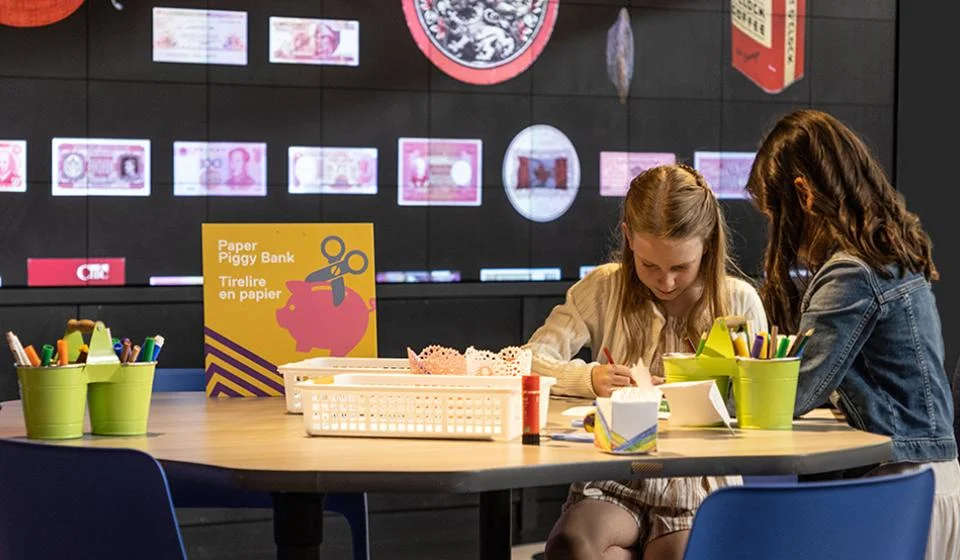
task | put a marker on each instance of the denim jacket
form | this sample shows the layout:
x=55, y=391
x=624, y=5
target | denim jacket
x=878, y=345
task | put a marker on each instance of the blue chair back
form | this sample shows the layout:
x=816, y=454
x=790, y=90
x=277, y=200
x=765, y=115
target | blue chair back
x=75, y=502
x=167, y=380
x=867, y=518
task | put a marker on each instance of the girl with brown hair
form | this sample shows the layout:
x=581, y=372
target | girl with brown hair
x=877, y=351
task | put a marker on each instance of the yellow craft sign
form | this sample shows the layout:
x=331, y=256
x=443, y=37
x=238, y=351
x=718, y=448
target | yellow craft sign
x=278, y=293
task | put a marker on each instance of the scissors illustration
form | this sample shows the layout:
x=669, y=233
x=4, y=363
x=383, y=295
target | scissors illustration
x=340, y=263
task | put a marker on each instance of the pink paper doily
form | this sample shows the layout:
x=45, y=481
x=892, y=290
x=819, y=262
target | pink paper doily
x=437, y=360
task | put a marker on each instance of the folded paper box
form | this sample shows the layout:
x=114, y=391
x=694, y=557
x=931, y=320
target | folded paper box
x=627, y=421
x=696, y=403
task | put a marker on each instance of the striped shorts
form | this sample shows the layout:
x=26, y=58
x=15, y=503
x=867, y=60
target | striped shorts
x=659, y=505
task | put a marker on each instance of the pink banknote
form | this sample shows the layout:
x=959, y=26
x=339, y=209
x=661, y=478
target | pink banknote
x=617, y=169
x=316, y=170
x=101, y=167
x=726, y=172
x=13, y=165
x=199, y=36
x=439, y=172
x=219, y=169
x=315, y=41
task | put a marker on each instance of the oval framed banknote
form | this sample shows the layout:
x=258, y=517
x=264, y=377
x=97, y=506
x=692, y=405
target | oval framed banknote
x=541, y=173
x=481, y=42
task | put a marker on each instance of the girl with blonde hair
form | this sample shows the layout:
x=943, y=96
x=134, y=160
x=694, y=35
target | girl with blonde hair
x=669, y=282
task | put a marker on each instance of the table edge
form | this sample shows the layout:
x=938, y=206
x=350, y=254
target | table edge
x=463, y=482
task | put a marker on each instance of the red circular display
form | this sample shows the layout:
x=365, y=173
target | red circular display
x=478, y=41
x=35, y=13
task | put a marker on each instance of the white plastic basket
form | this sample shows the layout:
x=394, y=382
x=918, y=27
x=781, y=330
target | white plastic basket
x=419, y=406
x=312, y=368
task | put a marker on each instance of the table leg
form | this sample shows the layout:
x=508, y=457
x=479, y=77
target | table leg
x=496, y=525
x=297, y=525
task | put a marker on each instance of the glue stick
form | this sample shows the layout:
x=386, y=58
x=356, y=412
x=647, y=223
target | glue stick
x=531, y=410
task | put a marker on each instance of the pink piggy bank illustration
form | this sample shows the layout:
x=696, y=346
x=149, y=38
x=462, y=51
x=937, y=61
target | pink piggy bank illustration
x=313, y=320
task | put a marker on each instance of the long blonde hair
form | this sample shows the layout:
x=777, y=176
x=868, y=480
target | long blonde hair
x=672, y=202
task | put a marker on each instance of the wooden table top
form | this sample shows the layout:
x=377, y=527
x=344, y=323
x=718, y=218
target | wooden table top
x=257, y=445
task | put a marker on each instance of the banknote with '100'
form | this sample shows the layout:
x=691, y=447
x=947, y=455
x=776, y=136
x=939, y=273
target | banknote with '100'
x=219, y=169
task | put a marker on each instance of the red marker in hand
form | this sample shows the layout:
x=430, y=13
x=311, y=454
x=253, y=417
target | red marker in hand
x=610, y=361
x=609, y=357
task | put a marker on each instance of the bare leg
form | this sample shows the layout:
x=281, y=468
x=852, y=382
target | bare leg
x=667, y=547
x=591, y=530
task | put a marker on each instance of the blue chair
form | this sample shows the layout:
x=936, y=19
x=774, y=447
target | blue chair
x=75, y=502
x=866, y=518
x=190, y=493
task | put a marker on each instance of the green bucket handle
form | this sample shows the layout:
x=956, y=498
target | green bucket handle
x=103, y=365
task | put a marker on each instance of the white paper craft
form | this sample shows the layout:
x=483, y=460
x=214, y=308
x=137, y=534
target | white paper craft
x=695, y=403
x=641, y=376
x=631, y=416
x=627, y=420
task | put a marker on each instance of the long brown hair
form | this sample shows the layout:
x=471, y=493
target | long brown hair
x=672, y=202
x=852, y=208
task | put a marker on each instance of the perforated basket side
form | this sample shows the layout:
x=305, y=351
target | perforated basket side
x=417, y=412
x=312, y=368
x=291, y=393
x=425, y=380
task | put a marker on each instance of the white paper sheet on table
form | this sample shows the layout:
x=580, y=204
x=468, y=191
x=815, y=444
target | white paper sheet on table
x=579, y=411
x=695, y=403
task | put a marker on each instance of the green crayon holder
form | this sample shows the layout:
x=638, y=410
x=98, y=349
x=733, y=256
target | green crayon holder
x=764, y=390
x=55, y=398
x=716, y=362
x=766, y=393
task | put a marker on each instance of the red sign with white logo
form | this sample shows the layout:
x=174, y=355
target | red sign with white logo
x=76, y=272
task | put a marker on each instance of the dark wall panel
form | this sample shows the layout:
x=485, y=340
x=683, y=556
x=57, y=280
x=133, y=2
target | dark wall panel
x=93, y=75
x=181, y=325
x=927, y=115
x=456, y=323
